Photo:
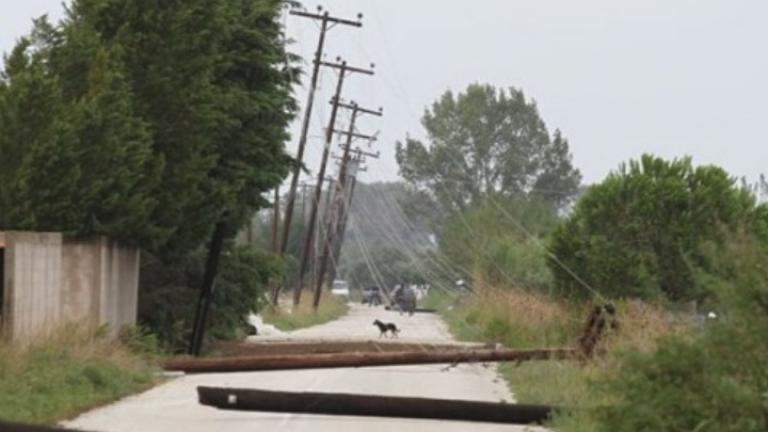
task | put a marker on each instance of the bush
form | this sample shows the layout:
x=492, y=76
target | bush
x=639, y=233
x=169, y=295
x=715, y=380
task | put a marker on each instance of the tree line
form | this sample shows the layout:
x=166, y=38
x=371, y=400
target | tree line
x=149, y=122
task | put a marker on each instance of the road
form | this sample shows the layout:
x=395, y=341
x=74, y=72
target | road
x=173, y=405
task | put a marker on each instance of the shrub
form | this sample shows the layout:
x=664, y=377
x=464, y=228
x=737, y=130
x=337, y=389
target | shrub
x=169, y=295
x=640, y=232
x=715, y=380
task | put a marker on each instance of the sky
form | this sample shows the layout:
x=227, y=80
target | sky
x=618, y=78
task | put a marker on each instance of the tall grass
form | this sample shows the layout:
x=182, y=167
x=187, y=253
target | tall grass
x=519, y=319
x=69, y=372
x=331, y=307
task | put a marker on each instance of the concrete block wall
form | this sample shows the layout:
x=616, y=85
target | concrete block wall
x=51, y=280
x=33, y=296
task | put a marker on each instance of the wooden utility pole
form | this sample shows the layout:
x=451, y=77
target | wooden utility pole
x=276, y=221
x=336, y=213
x=365, y=359
x=354, y=168
x=325, y=19
x=343, y=69
x=373, y=406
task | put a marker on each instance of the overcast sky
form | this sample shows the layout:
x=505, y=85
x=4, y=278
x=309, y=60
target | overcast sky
x=619, y=78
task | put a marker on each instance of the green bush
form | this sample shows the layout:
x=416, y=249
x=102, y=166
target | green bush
x=715, y=380
x=639, y=233
x=169, y=295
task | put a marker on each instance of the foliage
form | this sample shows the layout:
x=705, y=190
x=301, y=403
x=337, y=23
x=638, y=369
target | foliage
x=331, y=308
x=75, y=157
x=488, y=141
x=128, y=116
x=640, y=231
x=713, y=381
x=169, y=306
x=68, y=373
x=500, y=240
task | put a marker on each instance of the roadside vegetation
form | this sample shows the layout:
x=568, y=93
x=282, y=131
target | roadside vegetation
x=331, y=307
x=669, y=244
x=72, y=371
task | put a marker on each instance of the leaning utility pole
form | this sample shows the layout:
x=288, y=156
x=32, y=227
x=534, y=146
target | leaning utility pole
x=354, y=168
x=309, y=238
x=334, y=219
x=325, y=20
x=276, y=220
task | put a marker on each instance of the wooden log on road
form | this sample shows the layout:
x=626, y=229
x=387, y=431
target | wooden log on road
x=340, y=360
x=375, y=406
x=338, y=346
x=17, y=427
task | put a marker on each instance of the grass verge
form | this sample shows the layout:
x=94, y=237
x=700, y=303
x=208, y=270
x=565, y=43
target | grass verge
x=331, y=308
x=70, y=372
x=519, y=319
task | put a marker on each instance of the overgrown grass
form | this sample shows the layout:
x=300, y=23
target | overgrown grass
x=70, y=372
x=519, y=319
x=331, y=308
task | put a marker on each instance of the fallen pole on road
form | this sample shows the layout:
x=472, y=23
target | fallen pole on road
x=340, y=360
x=17, y=427
x=340, y=346
x=375, y=406
x=417, y=310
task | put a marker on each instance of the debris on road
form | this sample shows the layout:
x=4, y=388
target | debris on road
x=375, y=406
x=338, y=360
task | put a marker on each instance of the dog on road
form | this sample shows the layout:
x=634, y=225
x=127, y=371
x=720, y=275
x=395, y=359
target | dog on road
x=387, y=327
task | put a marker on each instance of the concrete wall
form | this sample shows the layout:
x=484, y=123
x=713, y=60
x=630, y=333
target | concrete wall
x=33, y=295
x=52, y=280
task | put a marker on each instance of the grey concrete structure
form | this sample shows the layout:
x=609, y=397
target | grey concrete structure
x=49, y=279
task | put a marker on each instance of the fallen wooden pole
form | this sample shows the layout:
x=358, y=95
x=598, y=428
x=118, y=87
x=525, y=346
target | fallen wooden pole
x=417, y=310
x=339, y=346
x=375, y=406
x=340, y=360
x=17, y=427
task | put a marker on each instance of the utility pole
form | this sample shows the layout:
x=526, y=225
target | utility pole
x=326, y=22
x=354, y=168
x=276, y=220
x=334, y=219
x=309, y=238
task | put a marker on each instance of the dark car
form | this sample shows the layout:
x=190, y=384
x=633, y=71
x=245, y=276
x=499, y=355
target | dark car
x=372, y=296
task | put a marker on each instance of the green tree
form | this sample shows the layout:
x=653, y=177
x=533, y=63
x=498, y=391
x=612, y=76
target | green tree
x=488, y=141
x=500, y=240
x=639, y=232
x=79, y=159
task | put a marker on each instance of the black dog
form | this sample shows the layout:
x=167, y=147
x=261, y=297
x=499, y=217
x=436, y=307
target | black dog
x=386, y=327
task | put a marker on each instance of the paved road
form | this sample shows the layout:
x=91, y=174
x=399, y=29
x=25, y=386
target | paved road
x=173, y=406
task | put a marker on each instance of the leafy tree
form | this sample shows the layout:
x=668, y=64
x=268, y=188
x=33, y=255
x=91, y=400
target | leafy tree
x=639, y=232
x=488, y=141
x=80, y=160
x=158, y=123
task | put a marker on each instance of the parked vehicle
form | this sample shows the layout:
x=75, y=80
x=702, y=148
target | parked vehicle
x=405, y=299
x=340, y=288
x=372, y=296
